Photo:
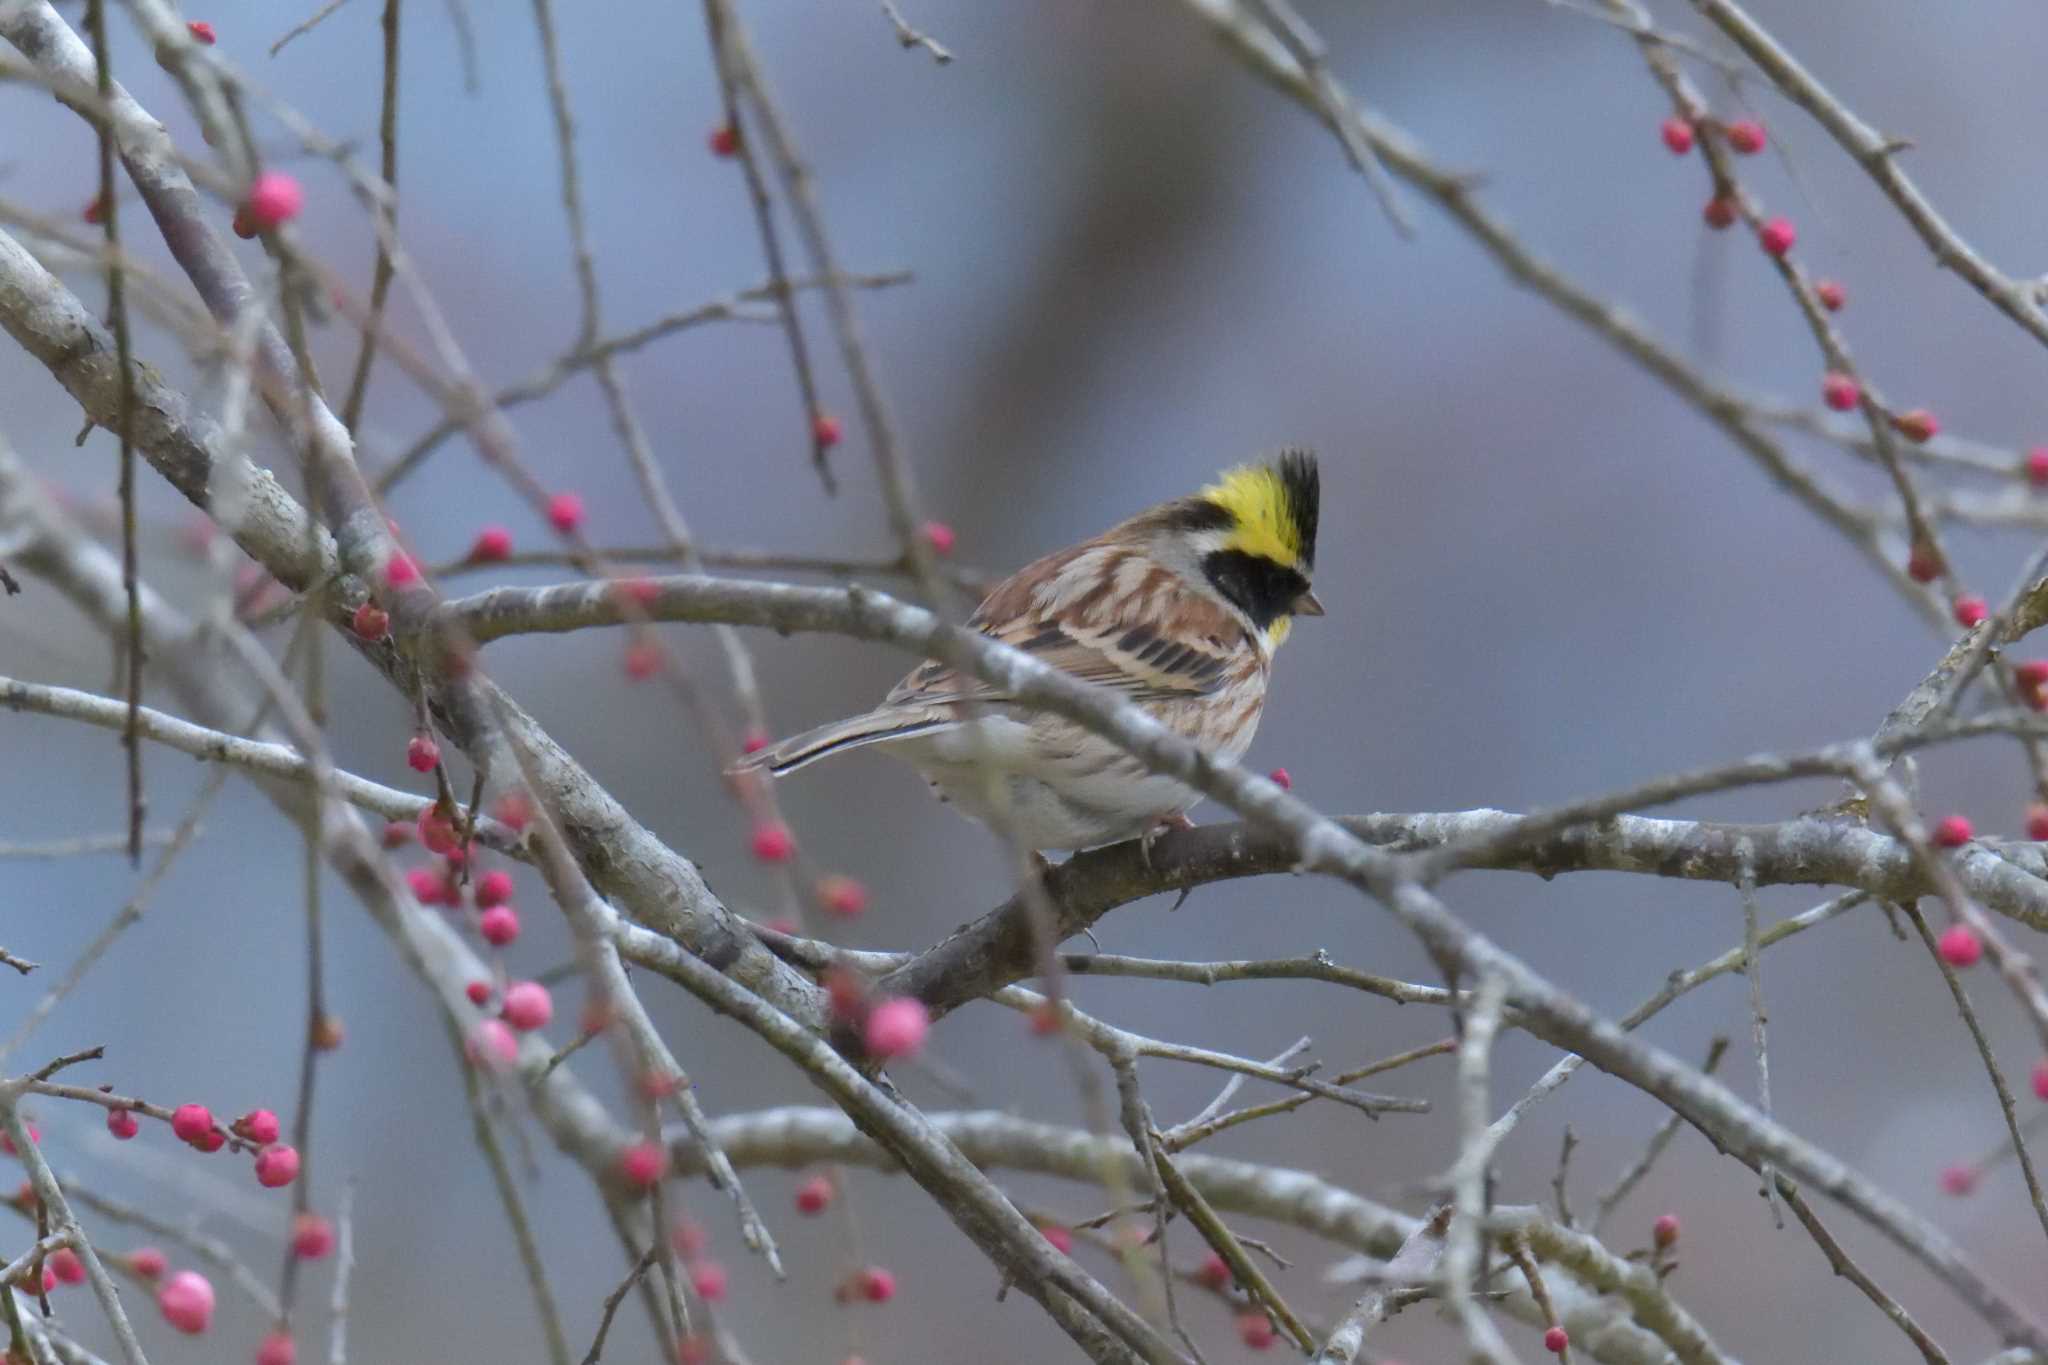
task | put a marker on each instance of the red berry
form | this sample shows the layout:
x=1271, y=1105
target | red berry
x=259, y=1126
x=1831, y=295
x=1917, y=425
x=773, y=843
x=940, y=537
x=1953, y=831
x=1960, y=946
x=490, y=1045
x=826, y=431
x=187, y=1302
x=35, y=1135
x=492, y=544
x=814, y=1196
x=846, y=993
x=2037, y=822
x=437, y=830
x=2037, y=466
x=1664, y=1231
x=397, y=834
x=693, y=1350
x=1045, y=1019
x=312, y=1237
x=1840, y=391
x=528, y=1006
x=1924, y=564
x=1255, y=1330
x=754, y=743
x=1777, y=236
x=275, y=199
x=1958, y=1180
x=877, y=1285
x=147, y=1262
x=430, y=886
x=371, y=622
x=212, y=1140
x=191, y=1122
x=1282, y=779
x=639, y=592
x=1555, y=1340
x=477, y=991
x=1746, y=136
x=244, y=222
x=277, y=1166
x=897, y=1028
x=565, y=512
x=1719, y=212
x=499, y=925
x=2032, y=673
x=66, y=1266
x=422, y=755
x=725, y=140
x=1971, y=610
x=1677, y=135
x=643, y=661
x=399, y=570
x=842, y=895
x=2040, y=1079
x=493, y=888
x=513, y=810
x=708, y=1278
x=643, y=1164
x=1061, y=1238
x=277, y=1349
x=122, y=1124
x=202, y=32
x=94, y=211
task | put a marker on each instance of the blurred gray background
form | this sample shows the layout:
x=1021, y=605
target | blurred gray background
x=1546, y=577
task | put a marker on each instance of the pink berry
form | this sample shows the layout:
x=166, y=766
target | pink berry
x=397, y=834
x=1777, y=236
x=492, y=1046
x=66, y=1266
x=1677, y=135
x=827, y=431
x=565, y=512
x=277, y=1166
x=1555, y=1340
x=1061, y=1237
x=422, y=755
x=814, y=1195
x=1213, y=1272
x=275, y=199
x=1746, y=136
x=35, y=1135
x=638, y=591
x=1916, y=425
x=499, y=925
x=493, y=888
x=724, y=140
x=277, y=1349
x=2031, y=674
x=312, y=1236
x=1282, y=779
x=400, y=571
x=1953, y=831
x=940, y=537
x=202, y=32
x=1960, y=946
x=2040, y=1079
x=2037, y=822
x=1256, y=1330
x=477, y=992
x=694, y=1350
x=1664, y=1231
x=842, y=895
x=846, y=993
x=643, y=1164
x=773, y=843
x=429, y=886
x=1045, y=1019
x=49, y=1280
x=1958, y=1180
x=147, y=1262
x=1831, y=295
x=1971, y=610
x=877, y=1285
x=688, y=1237
x=260, y=1126
x=437, y=830
x=121, y=1123
x=492, y=544
x=754, y=743
x=1719, y=212
x=2037, y=466
x=191, y=1122
x=212, y=1140
x=708, y=1278
x=642, y=661
x=513, y=810
x=187, y=1302
x=897, y=1028
x=528, y=1006
x=1840, y=391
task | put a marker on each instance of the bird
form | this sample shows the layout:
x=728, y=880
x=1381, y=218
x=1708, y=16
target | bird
x=1179, y=609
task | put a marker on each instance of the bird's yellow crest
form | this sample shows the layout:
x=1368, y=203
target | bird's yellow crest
x=1273, y=508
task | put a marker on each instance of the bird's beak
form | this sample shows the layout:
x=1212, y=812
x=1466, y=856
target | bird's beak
x=1308, y=604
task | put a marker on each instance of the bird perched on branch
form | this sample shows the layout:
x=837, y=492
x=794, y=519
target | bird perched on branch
x=1179, y=609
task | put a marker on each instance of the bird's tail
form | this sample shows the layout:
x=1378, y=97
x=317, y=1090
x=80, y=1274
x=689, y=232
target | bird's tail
x=875, y=727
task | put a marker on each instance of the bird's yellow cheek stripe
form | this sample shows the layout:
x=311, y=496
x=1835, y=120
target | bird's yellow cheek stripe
x=1276, y=634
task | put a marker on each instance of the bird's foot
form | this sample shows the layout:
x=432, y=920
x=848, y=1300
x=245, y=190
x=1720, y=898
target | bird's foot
x=1159, y=827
